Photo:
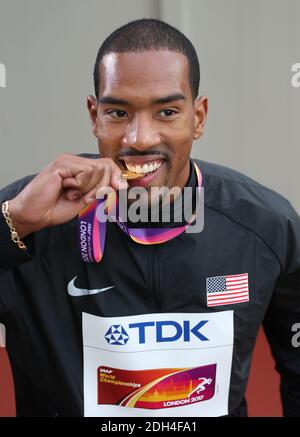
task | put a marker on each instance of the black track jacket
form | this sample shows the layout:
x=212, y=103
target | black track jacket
x=247, y=229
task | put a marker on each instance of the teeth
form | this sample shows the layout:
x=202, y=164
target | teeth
x=146, y=168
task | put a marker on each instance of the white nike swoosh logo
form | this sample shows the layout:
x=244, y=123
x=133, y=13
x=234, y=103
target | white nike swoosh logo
x=77, y=292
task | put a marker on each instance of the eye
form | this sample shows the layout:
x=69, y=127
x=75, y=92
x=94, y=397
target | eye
x=117, y=113
x=167, y=113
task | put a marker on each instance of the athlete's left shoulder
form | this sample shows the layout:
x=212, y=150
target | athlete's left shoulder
x=235, y=186
x=258, y=208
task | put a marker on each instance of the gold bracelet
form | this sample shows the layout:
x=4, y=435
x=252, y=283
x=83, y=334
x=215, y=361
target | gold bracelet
x=14, y=234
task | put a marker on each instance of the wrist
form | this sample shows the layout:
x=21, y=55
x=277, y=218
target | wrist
x=17, y=227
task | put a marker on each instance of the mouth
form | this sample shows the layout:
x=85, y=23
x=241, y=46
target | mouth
x=145, y=168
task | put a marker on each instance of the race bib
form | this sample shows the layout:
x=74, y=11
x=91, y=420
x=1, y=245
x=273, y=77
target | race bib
x=174, y=364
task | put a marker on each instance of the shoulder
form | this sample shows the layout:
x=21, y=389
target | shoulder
x=228, y=189
x=252, y=205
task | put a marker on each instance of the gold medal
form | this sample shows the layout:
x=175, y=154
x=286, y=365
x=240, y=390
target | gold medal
x=130, y=175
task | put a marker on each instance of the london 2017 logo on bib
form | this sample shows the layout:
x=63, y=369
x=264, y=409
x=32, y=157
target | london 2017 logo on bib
x=155, y=388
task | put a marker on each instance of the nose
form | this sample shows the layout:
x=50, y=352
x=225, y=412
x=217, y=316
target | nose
x=141, y=133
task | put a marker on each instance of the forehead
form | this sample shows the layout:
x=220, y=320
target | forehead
x=146, y=73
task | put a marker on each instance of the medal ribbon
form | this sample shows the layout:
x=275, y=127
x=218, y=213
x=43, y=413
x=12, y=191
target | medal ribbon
x=92, y=231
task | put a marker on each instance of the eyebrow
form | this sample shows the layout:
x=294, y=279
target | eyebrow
x=116, y=101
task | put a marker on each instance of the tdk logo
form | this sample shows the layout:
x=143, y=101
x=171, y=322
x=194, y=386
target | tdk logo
x=179, y=330
x=116, y=335
x=164, y=331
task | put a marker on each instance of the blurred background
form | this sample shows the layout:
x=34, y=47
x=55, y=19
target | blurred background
x=246, y=50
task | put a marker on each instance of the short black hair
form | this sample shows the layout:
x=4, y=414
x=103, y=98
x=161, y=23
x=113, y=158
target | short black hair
x=149, y=34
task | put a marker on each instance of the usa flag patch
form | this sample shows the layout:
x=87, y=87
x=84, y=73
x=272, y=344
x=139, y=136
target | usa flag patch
x=226, y=290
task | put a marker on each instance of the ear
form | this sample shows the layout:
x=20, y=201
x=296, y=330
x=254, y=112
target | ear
x=92, y=106
x=200, y=114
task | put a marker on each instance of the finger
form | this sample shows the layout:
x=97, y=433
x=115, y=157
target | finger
x=81, y=202
x=90, y=177
x=84, y=179
x=98, y=193
x=102, y=184
x=72, y=194
x=83, y=173
x=116, y=180
x=70, y=183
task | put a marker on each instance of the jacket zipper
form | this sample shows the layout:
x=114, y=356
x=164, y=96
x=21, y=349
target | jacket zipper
x=157, y=291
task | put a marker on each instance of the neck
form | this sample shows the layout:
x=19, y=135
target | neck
x=172, y=213
x=184, y=176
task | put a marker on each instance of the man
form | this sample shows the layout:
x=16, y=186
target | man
x=133, y=334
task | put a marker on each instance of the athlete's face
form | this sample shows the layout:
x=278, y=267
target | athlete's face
x=146, y=115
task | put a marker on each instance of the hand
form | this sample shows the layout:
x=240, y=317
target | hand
x=61, y=190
